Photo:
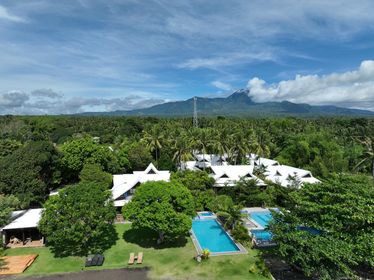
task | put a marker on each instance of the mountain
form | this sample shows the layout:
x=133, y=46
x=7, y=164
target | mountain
x=237, y=104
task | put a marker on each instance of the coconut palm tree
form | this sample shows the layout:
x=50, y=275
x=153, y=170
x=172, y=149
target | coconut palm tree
x=153, y=138
x=368, y=155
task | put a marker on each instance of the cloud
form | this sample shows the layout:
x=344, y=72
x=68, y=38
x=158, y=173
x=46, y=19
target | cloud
x=47, y=101
x=221, y=85
x=46, y=92
x=229, y=59
x=354, y=89
x=6, y=15
x=13, y=99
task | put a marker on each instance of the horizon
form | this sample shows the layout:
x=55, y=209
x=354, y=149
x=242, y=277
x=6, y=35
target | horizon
x=92, y=56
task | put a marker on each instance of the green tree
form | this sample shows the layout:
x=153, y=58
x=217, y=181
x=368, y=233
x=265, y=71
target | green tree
x=163, y=207
x=338, y=227
x=368, y=155
x=194, y=180
x=30, y=172
x=79, y=151
x=94, y=173
x=7, y=205
x=152, y=137
x=79, y=220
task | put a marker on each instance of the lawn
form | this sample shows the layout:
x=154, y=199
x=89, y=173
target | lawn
x=171, y=261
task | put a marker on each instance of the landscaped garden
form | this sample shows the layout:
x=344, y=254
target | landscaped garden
x=169, y=260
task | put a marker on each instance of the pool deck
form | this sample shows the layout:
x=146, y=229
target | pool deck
x=199, y=250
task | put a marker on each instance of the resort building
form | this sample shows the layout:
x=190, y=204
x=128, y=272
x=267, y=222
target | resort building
x=203, y=161
x=23, y=231
x=228, y=175
x=284, y=175
x=124, y=185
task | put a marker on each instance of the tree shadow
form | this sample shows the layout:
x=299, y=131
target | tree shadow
x=148, y=239
x=94, y=245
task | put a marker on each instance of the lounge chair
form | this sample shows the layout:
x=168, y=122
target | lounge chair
x=132, y=258
x=140, y=258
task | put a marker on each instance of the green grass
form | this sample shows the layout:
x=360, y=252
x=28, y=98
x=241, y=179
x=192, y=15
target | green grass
x=173, y=261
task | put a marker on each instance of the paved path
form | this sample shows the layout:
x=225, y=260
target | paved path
x=110, y=274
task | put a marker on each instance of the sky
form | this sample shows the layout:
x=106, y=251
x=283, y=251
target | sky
x=71, y=56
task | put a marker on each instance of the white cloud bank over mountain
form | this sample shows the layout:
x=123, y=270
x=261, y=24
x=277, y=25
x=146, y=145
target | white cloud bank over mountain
x=353, y=89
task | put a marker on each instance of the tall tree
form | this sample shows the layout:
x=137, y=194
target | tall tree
x=162, y=207
x=79, y=220
x=368, y=155
x=7, y=205
x=152, y=138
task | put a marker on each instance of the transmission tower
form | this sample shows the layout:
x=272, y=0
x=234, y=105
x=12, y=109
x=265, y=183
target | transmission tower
x=195, y=120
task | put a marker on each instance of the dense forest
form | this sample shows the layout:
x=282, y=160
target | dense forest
x=44, y=153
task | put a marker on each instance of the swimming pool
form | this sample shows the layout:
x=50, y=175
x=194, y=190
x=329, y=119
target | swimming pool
x=262, y=218
x=205, y=214
x=210, y=235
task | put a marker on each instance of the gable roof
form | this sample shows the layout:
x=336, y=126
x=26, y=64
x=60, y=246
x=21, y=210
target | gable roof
x=125, y=182
x=28, y=219
x=230, y=174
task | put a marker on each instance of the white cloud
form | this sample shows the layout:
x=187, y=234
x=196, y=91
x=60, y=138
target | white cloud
x=221, y=85
x=6, y=15
x=228, y=59
x=354, y=89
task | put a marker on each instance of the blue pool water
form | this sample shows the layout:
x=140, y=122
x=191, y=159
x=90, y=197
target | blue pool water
x=211, y=236
x=262, y=218
x=261, y=234
x=205, y=214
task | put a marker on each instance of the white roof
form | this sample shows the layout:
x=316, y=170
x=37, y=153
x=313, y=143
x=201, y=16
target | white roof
x=30, y=219
x=228, y=175
x=125, y=182
x=280, y=174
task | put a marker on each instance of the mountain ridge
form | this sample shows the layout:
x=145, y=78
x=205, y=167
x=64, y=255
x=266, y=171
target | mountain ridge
x=239, y=103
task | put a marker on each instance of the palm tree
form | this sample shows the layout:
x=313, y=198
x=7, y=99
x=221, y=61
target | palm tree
x=368, y=155
x=231, y=216
x=182, y=149
x=152, y=139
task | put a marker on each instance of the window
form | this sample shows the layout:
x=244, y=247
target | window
x=151, y=171
x=308, y=175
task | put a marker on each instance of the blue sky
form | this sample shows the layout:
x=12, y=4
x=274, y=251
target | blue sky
x=99, y=55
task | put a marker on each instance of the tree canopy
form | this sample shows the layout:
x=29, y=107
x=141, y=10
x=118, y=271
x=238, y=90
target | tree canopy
x=162, y=207
x=29, y=172
x=7, y=205
x=329, y=229
x=92, y=172
x=79, y=220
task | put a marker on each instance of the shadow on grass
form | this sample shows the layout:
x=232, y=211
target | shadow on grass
x=148, y=239
x=71, y=246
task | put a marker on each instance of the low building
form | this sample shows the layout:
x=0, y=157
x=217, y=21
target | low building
x=124, y=185
x=228, y=175
x=23, y=231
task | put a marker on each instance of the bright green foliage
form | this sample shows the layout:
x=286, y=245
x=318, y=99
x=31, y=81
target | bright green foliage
x=317, y=152
x=240, y=233
x=162, y=207
x=343, y=210
x=194, y=180
x=221, y=203
x=29, y=172
x=79, y=220
x=199, y=183
x=7, y=205
x=94, y=173
x=84, y=150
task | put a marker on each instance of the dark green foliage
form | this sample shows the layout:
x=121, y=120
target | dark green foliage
x=342, y=209
x=7, y=205
x=240, y=234
x=85, y=150
x=8, y=146
x=29, y=172
x=162, y=207
x=138, y=156
x=79, y=220
x=94, y=173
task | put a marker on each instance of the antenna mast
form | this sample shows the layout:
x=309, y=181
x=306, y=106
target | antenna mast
x=195, y=120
